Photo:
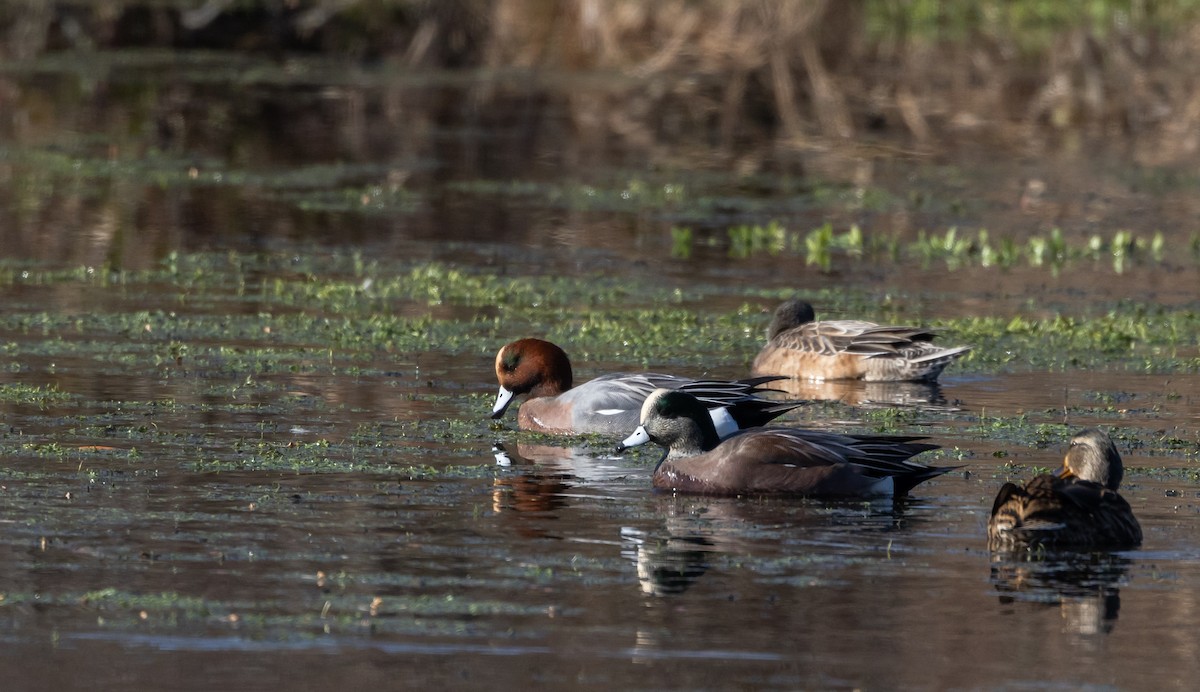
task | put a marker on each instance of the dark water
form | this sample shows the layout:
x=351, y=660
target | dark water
x=269, y=507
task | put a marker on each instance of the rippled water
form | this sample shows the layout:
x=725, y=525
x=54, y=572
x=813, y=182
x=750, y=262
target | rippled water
x=248, y=507
x=560, y=567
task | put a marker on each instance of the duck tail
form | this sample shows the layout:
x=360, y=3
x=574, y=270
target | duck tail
x=907, y=481
x=754, y=413
x=944, y=354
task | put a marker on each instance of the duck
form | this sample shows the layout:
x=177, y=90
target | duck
x=800, y=346
x=610, y=404
x=772, y=460
x=1078, y=506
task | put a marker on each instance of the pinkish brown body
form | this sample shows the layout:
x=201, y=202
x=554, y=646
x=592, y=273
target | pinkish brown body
x=802, y=347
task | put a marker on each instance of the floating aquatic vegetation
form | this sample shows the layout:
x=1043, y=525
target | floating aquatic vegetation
x=821, y=243
x=954, y=248
x=32, y=395
x=747, y=240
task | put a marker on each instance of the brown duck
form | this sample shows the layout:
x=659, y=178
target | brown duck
x=1076, y=507
x=773, y=460
x=798, y=345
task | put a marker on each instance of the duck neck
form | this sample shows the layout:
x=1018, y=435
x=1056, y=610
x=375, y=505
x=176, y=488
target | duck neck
x=550, y=386
x=666, y=455
x=696, y=438
x=556, y=374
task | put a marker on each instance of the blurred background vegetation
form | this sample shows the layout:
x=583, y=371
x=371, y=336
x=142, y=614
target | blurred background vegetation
x=158, y=125
x=731, y=83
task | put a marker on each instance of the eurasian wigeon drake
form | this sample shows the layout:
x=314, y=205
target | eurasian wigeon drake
x=800, y=346
x=611, y=403
x=1076, y=507
x=774, y=460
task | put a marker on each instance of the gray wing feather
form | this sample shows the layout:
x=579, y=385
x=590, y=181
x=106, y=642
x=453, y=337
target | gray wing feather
x=830, y=337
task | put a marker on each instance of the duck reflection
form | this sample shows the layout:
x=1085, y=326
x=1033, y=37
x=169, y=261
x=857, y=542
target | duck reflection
x=696, y=528
x=666, y=565
x=867, y=394
x=1084, y=586
x=544, y=480
x=723, y=548
x=531, y=497
x=569, y=462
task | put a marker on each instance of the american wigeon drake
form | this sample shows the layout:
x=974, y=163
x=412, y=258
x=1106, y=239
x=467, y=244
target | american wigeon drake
x=800, y=346
x=611, y=403
x=774, y=460
x=1076, y=507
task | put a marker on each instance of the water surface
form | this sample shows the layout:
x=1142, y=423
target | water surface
x=245, y=437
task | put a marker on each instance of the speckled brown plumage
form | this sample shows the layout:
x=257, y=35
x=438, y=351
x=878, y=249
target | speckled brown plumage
x=1079, y=507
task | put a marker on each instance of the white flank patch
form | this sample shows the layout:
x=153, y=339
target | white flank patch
x=610, y=411
x=724, y=422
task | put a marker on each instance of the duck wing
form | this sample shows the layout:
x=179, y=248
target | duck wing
x=851, y=463
x=740, y=399
x=1064, y=512
x=623, y=394
x=619, y=391
x=1026, y=515
x=1107, y=515
x=831, y=337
